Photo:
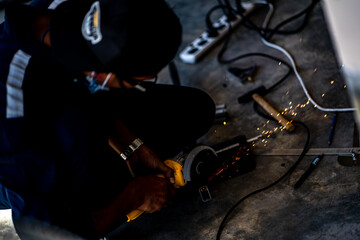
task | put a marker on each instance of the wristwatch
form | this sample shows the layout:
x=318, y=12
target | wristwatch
x=129, y=150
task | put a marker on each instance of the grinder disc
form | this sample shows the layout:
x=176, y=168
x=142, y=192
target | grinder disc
x=200, y=164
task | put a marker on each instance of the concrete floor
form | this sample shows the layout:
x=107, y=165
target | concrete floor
x=326, y=206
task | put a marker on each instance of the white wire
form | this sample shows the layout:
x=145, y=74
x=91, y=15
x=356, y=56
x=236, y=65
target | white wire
x=287, y=54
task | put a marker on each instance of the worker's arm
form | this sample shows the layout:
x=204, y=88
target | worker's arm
x=144, y=160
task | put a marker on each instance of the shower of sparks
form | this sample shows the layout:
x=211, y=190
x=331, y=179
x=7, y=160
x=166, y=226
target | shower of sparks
x=290, y=111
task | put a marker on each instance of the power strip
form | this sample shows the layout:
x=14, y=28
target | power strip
x=200, y=46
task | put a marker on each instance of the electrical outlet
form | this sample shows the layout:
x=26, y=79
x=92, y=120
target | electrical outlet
x=201, y=45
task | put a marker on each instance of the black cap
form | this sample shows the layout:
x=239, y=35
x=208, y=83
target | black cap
x=126, y=37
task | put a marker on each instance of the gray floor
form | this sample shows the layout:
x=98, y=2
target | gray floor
x=326, y=206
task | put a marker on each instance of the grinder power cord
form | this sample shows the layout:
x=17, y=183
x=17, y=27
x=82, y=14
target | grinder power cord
x=286, y=174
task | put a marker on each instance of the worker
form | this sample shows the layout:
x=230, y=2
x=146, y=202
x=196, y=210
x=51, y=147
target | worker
x=73, y=75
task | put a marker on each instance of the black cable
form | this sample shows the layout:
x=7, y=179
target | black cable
x=224, y=47
x=269, y=89
x=220, y=55
x=228, y=10
x=211, y=30
x=264, y=31
x=174, y=74
x=221, y=60
x=271, y=31
x=231, y=16
x=239, y=7
x=288, y=173
x=306, y=11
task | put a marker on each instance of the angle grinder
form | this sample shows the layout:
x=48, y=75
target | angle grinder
x=196, y=166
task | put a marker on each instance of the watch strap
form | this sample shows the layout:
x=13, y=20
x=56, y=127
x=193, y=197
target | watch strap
x=129, y=150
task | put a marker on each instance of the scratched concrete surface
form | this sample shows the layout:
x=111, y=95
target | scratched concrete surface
x=326, y=206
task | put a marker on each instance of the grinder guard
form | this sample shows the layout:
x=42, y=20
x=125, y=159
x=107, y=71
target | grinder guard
x=203, y=165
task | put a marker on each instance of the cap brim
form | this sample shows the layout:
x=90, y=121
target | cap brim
x=66, y=39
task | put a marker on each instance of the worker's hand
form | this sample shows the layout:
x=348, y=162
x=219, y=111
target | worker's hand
x=150, y=192
x=146, y=193
x=145, y=159
x=153, y=192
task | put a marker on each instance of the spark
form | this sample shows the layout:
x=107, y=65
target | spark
x=315, y=69
x=325, y=115
x=345, y=86
x=323, y=95
x=279, y=63
x=332, y=82
x=224, y=123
